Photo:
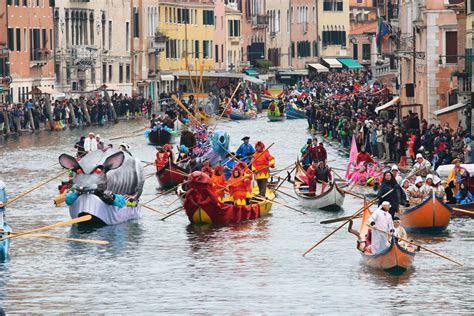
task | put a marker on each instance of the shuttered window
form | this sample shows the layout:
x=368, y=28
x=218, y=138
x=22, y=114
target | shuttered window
x=451, y=47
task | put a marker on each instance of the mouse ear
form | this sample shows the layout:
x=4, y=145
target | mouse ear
x=114, y=161
x=68, y=162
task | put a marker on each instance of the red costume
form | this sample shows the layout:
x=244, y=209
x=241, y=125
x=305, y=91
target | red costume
x=218, y=182
x=262, y=162
x=162, y=158
x=237, y=187
x=322, y=154
x=311, y=175
x=365, y=158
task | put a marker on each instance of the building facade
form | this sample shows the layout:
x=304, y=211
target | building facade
x=4, y=65
x=333, y=28
x=304, y=47
x=278, y=33
x=30, y=43
x=363, y=25
x=254, y=25
x=234, y=41
x=93, y=46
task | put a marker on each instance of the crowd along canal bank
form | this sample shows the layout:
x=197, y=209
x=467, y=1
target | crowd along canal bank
x=171, y=266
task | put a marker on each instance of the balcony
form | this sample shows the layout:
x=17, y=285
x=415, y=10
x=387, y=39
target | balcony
x=259, y=21
x=39, y=57
x=157, y=43
x=84, y=56
x=384, y=70
x=464, y=84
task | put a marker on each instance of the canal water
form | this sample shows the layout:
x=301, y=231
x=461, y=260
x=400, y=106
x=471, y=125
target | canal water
x=170, y=266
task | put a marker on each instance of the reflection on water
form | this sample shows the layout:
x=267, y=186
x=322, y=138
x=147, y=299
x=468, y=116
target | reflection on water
x=170, y=266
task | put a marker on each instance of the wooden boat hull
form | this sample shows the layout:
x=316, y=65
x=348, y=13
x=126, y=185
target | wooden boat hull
x=429, y=217
x=467, y=207
x=331, y=199
x=292, y=114
x=273, y=118
x=5, y=244
x=170, y=176
x=240, y=116
x=107, y=214
x=393, y=258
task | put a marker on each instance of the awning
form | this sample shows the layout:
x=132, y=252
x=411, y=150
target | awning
x=448, y=109
x=318, y=67
x=350, y=63
x=208, y=74
x=332, y=63
x=251, y=72
x=296, y=72
x=394, y=101
x=253, y=80
x=167, y=78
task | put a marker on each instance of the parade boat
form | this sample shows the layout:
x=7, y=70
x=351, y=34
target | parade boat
x=292, y=113
x=106, y=185
x=4, y=244
x=170, y=176
x=330, y=200
x=276, y=118
x=240, y=116
x=395, y=258
x=429, y=217
x=467, y=208
x=203, y=207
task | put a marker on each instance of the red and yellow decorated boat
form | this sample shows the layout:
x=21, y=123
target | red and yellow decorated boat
x=429, y=217
x=170, y=176
x=395, y=258
x=203, y=207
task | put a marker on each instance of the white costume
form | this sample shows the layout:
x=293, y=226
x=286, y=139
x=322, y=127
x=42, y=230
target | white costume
x=90, y=144
x=383, y=224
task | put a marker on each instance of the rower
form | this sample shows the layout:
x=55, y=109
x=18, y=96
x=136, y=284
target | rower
x=463, y=196
x=162, y=158
x=237, y=187
x=382, y=221
x=228, y=163
x=323, y=175
x=458, y=174
x=322, y=154
x=364, y=157
x=306, y=154
x=90, y=144
x=396, y=174
x=311, y=176
x=422, y=167
x=416, y=193
x=245, y=151
x=218, y=182
x=260, y=166
x=399, y=231
x=3, y=201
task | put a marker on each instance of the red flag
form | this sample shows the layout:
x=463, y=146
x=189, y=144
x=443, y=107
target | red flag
x=352, y=156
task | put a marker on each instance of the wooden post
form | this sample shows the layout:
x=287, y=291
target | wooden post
x=109, y=102
x=7, y=120
x=47, y=104
x=32, y=122
x=72, y=115
x=85, y=112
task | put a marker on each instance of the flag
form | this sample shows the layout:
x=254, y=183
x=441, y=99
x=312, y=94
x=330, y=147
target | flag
x=451, y=86
x=352, y=155
x=384, y=30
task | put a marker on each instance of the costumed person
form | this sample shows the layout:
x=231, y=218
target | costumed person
x=396, y=174
x=90, y=144
x=207, y=169
x=458, y=174
x=428, y=185
x=306, y=154
x=66, y=185
x=417, y=193
x=405, y=187
x=3, y=201
x=323, y=175
x=382, y=221
x=399, y=231
x=394, y=197
x=422, y=167
x=261, y=163
x=228, y=163
x=463, y=196
x=237, y=187
x=80, y=147
x=364, y=157
x=438, y=189
x=162, y=158
x=183, y=156
x=322, y=154
x=125, y=148
x=100, y=143
x=245, y=150
x=311, y=176
x=450, y=195
x=218, y=182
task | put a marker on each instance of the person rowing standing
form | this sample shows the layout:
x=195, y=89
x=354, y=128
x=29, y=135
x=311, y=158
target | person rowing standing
x=323, y=175
x=383, y=224
x=260, y=166
x=245, y=151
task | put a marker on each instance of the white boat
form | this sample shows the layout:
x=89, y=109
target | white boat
x=330, y=200
x=102, y=213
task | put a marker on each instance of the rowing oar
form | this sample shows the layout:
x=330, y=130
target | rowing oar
x=151, y=208
x=173, y=212
x=88, y=241
x=162, y=194
x=275, y=172
x=259, y=197
x=460, y=210
x=125, y=136
x=81, y=219
x=175, y=99
x=347, y=221
x=353, y=194
x=35, y=188
x=284, y=193
x=339, y=219
x=174, y=201
x=417, y=245
x=227, y=105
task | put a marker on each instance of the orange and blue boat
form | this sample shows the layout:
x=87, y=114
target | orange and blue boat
x=203, y=207
x=432, y=216
x=396, y=258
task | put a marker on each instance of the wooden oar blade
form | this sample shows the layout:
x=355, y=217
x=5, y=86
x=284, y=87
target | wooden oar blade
x=89, y=241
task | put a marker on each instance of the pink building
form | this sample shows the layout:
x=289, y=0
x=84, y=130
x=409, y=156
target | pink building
x=304, y=33
x=254, y=24
x=219, y=35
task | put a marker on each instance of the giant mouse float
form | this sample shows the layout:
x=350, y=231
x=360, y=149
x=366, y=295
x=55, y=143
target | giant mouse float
x=107, y=185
